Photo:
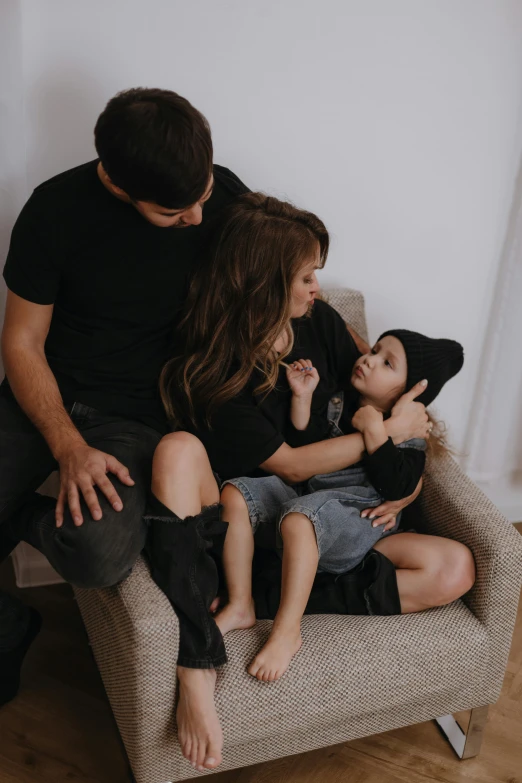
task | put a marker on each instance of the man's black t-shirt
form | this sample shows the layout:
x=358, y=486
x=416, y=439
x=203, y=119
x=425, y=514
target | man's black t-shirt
x=248, y=429
x=117, y=284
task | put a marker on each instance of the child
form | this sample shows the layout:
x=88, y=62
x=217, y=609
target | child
x=318, y=523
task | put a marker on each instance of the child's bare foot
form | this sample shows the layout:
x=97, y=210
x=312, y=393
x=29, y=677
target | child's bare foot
x=235, y=616
x=199, y=730
x=273, y=659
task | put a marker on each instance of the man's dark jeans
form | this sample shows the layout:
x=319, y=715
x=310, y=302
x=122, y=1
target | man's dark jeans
x=98, y=553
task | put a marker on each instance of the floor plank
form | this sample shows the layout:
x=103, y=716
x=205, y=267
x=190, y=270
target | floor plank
x=60, y=728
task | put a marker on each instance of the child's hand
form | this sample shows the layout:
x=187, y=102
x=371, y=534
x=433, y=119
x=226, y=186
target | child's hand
x=302, y=378
x=365, y=417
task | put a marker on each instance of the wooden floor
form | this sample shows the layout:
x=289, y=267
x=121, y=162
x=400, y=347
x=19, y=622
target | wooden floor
x=60, y=727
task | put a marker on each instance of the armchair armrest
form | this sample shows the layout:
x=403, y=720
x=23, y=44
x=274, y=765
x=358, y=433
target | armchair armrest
x=134, y=634
x=454, y=507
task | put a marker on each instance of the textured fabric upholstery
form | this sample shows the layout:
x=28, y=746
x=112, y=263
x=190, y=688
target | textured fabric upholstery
x=353, y=677
x=351, y=306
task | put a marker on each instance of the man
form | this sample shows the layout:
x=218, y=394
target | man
x=97, y=272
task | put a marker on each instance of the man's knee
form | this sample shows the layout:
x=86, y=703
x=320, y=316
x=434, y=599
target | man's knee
x=98, y=574
x=97, y=553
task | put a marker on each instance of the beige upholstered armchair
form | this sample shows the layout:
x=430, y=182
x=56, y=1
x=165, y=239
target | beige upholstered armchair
x=354, y=676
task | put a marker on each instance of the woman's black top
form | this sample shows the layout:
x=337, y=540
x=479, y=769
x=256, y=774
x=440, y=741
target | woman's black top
x=248, y=429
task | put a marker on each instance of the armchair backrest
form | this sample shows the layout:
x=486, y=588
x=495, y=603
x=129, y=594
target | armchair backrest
x=350, y=304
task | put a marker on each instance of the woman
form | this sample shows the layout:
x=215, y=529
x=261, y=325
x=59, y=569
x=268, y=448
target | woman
x=227, y=388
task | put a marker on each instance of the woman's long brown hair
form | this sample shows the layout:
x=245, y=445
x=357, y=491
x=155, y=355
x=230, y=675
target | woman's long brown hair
x=239, y=304
x=437, y=443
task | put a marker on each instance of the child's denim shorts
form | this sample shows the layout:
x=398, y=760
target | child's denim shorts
x=332, y=502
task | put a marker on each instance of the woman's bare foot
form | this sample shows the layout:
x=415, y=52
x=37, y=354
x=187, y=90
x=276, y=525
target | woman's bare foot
x=199, y=730
x=273, y=659
x=235, y=616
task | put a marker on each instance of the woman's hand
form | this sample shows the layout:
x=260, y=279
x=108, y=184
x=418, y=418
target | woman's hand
x=302, y=378
x=386, y=513
x=366, y=417
x=409, y=418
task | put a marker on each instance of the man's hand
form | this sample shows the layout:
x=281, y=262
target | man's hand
x=81, y=469
x=386, y=513
x=409, y=418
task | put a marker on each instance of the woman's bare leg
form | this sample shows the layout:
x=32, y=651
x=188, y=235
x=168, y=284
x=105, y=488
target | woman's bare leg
x=182, y=480
x=181, y=473
x=431, y=570
x=238, y=552
x=300, y=558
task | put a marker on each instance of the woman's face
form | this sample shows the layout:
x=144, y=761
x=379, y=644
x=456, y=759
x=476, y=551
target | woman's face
x=380, y=376
x=305, y=288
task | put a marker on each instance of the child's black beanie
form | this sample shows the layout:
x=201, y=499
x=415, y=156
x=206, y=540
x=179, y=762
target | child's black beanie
x=435, y=360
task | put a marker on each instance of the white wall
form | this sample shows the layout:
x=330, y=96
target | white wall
x=397, y=122
x=12, y=151
x=494, y=441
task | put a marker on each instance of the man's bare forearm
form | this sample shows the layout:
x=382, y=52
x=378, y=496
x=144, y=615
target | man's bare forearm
x=35, y=388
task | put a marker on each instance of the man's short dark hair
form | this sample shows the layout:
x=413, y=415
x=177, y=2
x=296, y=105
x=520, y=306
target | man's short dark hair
x=155, y=146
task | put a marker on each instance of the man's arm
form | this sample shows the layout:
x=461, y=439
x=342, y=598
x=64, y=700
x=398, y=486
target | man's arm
x=26, y=326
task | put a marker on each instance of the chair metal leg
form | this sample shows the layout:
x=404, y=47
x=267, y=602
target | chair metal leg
x=465, y=744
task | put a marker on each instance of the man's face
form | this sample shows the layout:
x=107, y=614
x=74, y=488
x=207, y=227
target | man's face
x=163, y=217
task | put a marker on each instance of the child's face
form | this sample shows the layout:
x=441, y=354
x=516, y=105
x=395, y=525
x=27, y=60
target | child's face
x=380, y=376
